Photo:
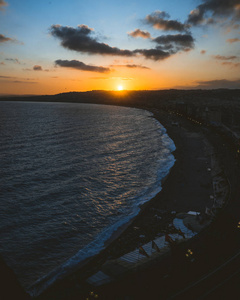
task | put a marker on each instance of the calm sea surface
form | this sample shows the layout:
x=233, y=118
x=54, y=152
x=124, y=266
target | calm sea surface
x=70, y=175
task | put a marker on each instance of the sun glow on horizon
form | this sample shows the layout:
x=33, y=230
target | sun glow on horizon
x=120, y=88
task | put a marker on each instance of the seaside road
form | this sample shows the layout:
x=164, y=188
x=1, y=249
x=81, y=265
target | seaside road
x=216, y=283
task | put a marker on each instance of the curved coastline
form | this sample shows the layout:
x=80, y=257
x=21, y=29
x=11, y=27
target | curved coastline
x=73, y=283
x=90, y=252
x=164, y=200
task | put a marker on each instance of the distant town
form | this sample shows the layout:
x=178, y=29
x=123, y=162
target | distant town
x=219, y=108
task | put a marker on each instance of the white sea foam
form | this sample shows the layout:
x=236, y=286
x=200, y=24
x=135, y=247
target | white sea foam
x=166, y=161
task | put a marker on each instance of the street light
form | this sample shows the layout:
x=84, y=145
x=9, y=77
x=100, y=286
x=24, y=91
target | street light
x=189, y=255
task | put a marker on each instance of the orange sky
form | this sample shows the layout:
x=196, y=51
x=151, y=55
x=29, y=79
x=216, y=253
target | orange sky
x=149, y=46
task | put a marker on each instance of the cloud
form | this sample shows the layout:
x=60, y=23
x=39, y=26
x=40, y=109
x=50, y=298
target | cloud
x=233, y=40
x=2, y=4
x=140, y=33
x=75, y=64
x=80, y=39
x=4, y=39
x=11, y=79
x=155, y=54
x=131, y=66
x=231, y=64
x=159, y=20
x=8, y=77
x=21, y=81
x=37, y=68
x=227, y=60
x=175, y=42
x=219, y=84
x=13, y=60
x=222, y=57
x=210, y=10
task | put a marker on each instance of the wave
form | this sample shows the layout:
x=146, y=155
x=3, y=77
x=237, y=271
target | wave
x=166, y=162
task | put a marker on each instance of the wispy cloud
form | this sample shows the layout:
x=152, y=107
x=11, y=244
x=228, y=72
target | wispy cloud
x=4, y=39
x=222, y=57
x=130, y=66
x=12, y=79
x=3, y=4
x=231, y=64
x=75, y=64
x=235, y=40
x=6, y=77
x=13, y=60
x=227, y=60
x=36, y=68
x=21, y=81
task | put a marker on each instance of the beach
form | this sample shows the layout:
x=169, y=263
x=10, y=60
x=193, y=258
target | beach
x=187, y=187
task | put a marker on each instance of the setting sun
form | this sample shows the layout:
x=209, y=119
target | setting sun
x=120, y=88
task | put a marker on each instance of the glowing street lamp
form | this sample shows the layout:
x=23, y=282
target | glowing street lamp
x=189, y=255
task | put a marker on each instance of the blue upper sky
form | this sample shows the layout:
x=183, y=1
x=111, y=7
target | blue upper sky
x=186, y=43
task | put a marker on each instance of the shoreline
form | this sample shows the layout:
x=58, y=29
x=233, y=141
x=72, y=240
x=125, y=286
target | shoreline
x=72, y=287
x=114, y=236
x=164, y=201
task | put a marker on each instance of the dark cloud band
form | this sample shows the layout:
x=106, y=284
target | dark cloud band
x=178, y=42
x=218, y=84
x=132, y=66
x=75, y=64
x=159, y=20
x=80, y=39
x=210, y=9
x=155, y=54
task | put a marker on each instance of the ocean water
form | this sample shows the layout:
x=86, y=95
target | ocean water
x=71, y=174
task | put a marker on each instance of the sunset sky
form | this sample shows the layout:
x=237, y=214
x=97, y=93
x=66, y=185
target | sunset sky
x=54, y=46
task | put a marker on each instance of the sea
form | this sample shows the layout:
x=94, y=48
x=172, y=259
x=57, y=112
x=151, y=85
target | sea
x=71, y=174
